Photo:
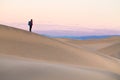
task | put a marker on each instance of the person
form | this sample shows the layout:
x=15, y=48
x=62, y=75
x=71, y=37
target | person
x=30, y=23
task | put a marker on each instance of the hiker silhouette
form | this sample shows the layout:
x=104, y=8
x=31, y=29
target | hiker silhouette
x=30, y=23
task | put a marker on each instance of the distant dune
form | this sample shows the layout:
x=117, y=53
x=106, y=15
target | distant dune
x=108, y=46
x=94, y=44
x=29, y=56
x=113, y=50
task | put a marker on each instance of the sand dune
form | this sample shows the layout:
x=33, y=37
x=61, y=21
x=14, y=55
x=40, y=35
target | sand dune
x=109, y=46
x=20, y=43
x=95, y=44
x=113, y=50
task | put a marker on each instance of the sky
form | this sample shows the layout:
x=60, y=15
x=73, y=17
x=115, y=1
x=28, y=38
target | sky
x=61, y=14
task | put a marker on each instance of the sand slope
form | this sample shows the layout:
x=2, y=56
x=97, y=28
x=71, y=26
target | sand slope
x=95, y=44
x=20, y=43
x=113, y=50
x=13, y=68
x=109, y=46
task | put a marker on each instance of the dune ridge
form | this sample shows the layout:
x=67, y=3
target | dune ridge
x=113, y=50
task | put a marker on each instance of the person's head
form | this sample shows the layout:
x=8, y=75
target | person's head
x=31, y=19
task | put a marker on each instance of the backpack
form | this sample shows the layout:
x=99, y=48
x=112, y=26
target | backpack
x=29, y=23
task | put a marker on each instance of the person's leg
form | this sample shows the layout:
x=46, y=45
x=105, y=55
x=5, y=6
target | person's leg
x=30, y=28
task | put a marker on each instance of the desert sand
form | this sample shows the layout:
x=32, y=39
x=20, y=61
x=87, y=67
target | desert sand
x=108, y=46
x=113, y=50
x=29, y=56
